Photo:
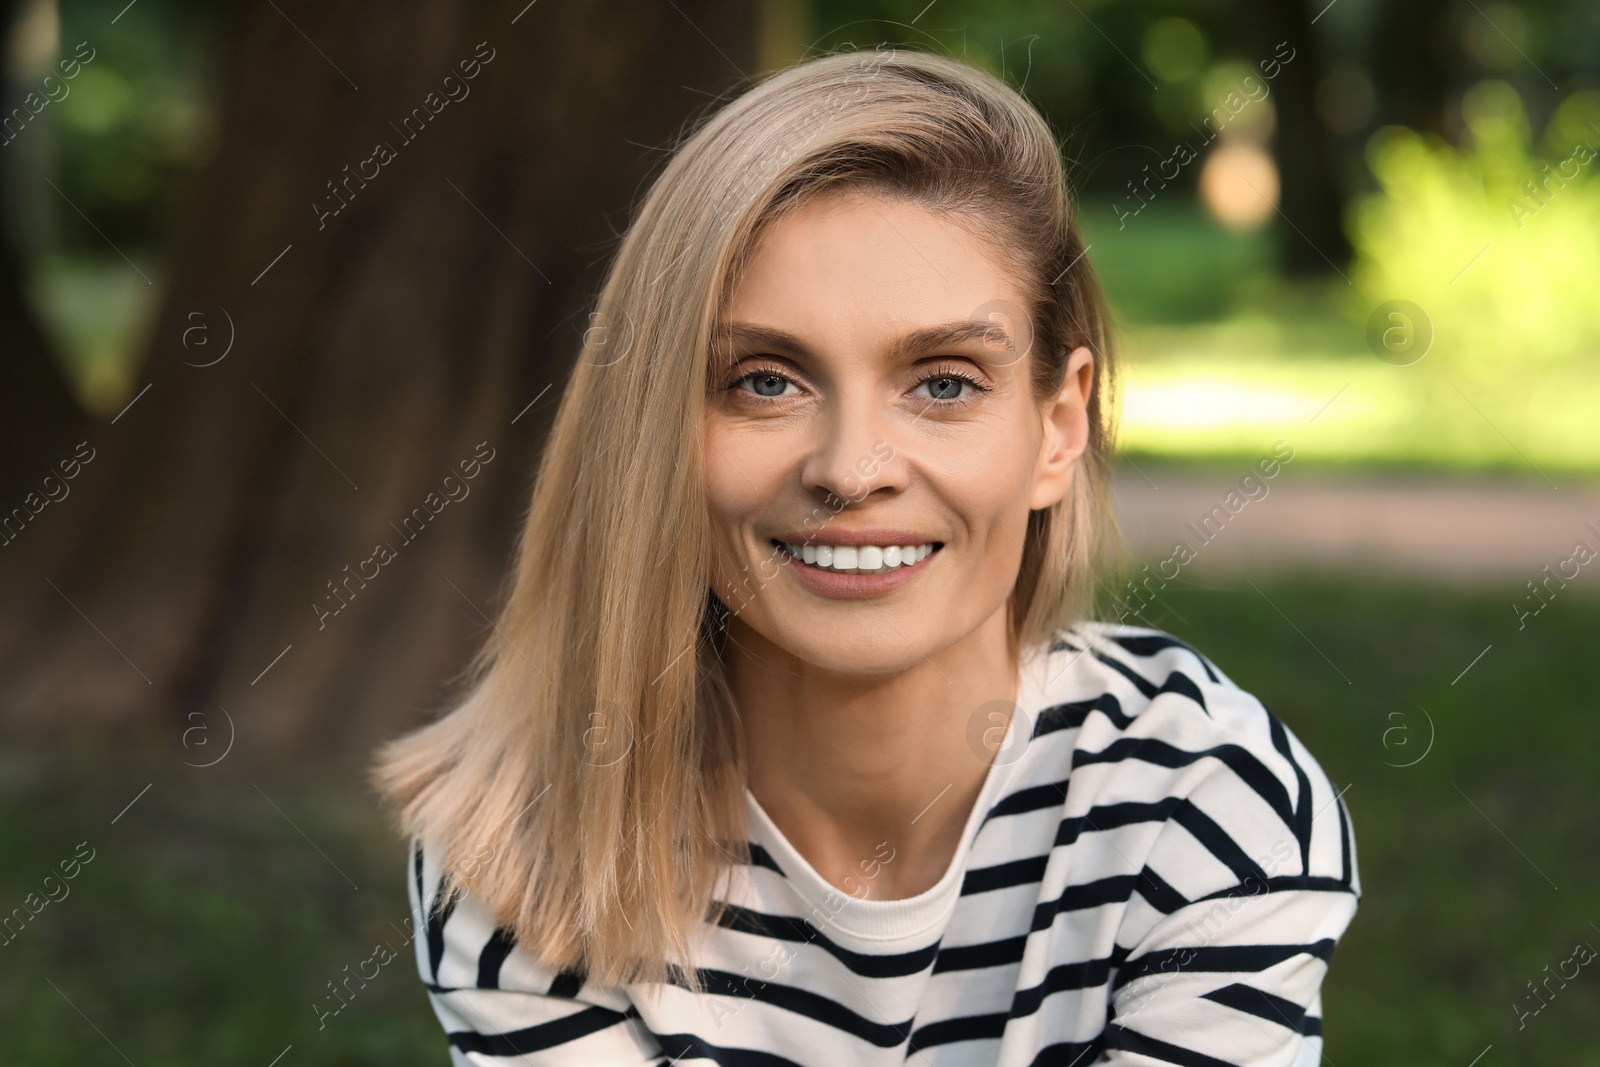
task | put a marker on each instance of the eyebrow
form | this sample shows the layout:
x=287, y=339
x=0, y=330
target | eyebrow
x=922, y=340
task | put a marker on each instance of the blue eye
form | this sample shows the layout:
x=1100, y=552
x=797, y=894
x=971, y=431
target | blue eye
x=766, y=381
x=766, y=384
x=945, y=387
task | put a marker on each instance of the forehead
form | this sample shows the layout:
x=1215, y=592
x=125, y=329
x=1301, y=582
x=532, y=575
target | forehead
x=856, y=269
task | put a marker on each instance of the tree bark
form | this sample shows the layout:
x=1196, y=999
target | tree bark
x=1313, y=240
x=338, y=341
x=40, y=418
x=1408, y=45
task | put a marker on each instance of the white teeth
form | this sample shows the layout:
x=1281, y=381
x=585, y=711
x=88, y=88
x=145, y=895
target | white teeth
x=860, y=559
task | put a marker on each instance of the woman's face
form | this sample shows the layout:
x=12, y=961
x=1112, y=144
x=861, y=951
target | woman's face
x=878, y=419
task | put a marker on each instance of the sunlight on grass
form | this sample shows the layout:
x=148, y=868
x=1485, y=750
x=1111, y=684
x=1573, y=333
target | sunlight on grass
x=1197, y=393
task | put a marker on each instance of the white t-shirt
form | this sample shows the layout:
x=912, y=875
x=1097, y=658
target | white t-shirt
x=1155, y=871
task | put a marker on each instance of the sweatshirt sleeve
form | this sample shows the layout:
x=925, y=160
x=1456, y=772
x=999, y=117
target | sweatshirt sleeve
x=1245, y=892
x=499, y=1005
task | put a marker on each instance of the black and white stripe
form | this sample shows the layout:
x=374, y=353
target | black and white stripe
x=1160, y=877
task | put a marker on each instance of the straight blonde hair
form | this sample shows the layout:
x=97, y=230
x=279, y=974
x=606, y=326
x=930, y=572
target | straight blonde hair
x=588, y=789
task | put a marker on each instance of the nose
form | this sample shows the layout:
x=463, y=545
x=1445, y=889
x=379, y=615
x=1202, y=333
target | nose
x=854, y=453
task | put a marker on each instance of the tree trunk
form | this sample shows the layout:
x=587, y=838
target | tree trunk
x=40, y=418
x=347, y=326
x=1313, y=240
x=1408, y=46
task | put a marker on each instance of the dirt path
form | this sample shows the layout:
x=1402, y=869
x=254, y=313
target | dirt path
x=1469, y=531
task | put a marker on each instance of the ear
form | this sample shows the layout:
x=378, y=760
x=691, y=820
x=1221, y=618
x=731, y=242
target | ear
x=1066, y=431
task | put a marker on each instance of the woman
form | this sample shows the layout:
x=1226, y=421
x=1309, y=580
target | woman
x=792, y=744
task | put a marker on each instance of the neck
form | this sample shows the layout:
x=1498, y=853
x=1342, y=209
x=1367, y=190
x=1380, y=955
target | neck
x=853, y=768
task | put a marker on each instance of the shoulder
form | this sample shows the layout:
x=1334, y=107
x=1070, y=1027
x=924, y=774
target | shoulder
x=1145, y=660
x=459, y=946
x=1125, y=681
x=496, y=1000
x=1142, y=722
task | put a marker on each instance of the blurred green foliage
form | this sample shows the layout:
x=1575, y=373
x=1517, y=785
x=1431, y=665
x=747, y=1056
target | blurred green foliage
x=1498, y=241
x=1174, y=263
x=101, y=312
x=1120, y=84
x=138, y=123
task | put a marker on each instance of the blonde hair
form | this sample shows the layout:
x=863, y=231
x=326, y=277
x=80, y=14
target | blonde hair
x=588, y=789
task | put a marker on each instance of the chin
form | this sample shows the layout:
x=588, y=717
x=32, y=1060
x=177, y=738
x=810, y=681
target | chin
x=877, y=641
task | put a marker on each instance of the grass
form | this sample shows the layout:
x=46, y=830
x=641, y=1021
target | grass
x=221, y=903
x=206, y=928
x=1209, y=392
x=1480, y=862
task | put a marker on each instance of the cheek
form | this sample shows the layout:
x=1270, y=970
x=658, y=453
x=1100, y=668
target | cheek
x=989, y=480
x=988, y=485
x=726, y=505
x=741, y=480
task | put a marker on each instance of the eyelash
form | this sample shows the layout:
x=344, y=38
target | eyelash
x=770, y=370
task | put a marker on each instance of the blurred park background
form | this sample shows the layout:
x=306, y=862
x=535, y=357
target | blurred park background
x=1364, y=234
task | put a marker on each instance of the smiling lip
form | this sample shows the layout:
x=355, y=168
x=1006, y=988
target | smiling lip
x=836, y=585
x=876, y=536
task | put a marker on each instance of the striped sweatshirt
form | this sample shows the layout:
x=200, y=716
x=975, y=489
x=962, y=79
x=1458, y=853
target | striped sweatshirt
x=1155, y=871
